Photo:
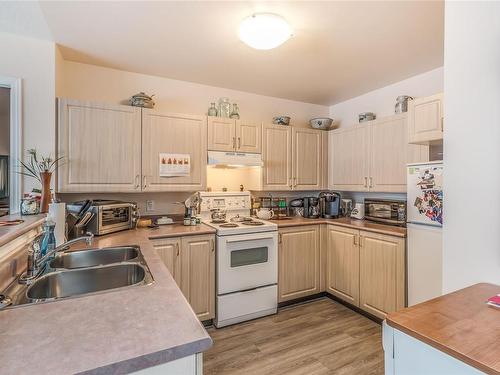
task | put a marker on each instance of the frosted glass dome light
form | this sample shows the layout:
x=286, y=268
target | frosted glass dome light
x=264, y=31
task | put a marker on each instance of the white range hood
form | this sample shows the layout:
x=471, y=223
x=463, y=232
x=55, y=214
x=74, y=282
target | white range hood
x=234, y=159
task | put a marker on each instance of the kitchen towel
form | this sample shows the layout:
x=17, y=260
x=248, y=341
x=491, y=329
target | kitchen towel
x=57, y=213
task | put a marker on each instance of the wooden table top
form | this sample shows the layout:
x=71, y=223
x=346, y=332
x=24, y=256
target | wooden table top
x=459, y=324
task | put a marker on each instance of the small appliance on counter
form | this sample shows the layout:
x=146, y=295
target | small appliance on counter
x=329, y=204
x=358, y=211
x=346, y=207
x=311, y=207
x=392, y=212
x=103, y=216
x=296, y=207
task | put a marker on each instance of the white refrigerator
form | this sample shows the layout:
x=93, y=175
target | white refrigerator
x=424, y=225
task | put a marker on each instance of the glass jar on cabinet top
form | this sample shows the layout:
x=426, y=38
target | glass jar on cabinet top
x=235, y=114
x=212, y=111
x=224, y=107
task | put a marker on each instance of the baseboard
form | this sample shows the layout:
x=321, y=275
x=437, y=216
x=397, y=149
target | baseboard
x=302, y=300
x=355, y=308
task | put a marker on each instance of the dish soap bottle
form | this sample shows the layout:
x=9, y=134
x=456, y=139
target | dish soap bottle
x=49, y=239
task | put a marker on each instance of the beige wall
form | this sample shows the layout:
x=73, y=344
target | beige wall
x=382, y=101
x=90, y=82
x=32, y=60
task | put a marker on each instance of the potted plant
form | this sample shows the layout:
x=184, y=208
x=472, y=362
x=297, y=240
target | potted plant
x=41, y=169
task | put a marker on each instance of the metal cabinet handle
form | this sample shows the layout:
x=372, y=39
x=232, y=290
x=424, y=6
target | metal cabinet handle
x=212, y=244
x=177, y=246
x=294, y=181
x=355, y=240
x=234, y=143
x=136, y=182
x=371, y=182
x=361, y=241
x=144, y=182
x=239, y=143
x=366, y=182
x=290, y=183
x=280, y=237
x=442, y=123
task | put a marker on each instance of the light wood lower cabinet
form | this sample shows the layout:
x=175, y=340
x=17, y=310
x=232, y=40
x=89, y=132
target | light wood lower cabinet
x=299, y=262
x=382, y=273
x=342, y=263
x=366, y=269
x=191, y=261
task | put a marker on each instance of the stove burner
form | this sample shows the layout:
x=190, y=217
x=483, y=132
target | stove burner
x=228, y=225
x=239, y=219
x=255, y=223
x=218, y=221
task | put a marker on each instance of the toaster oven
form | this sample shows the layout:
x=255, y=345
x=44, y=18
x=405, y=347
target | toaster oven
x=109, y=216
x=386, y=211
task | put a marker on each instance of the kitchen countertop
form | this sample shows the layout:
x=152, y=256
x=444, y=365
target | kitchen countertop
x=10, y=232
x=118, y=331
x=459, y=324
x=367, y=225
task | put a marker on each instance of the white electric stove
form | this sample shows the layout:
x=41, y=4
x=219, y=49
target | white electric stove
x=247, y=259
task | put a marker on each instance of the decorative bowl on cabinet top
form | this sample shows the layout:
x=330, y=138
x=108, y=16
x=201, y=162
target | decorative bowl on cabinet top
x=142, y=100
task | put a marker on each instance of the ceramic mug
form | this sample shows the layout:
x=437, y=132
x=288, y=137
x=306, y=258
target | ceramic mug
x=265, y=213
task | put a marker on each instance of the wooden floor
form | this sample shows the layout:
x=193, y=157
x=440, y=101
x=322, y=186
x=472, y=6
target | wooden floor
x=318, y=337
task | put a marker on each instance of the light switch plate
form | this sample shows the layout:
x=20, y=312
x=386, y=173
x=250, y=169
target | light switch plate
x=150, y=206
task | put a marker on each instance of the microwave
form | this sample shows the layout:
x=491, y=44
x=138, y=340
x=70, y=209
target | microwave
x=391, y=212
x=108, y=216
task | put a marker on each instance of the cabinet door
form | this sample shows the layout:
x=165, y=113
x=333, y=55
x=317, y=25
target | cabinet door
x=221, y=134
x=324, y=159
x=299, y=262
x=425, y=119
x=100, y=145
x=168, y=250
x=176, y=134
x=307, y=159
x=198, y=274
x=342, y=263
x=349, y=158
x=389, y=154
x=277, y=155
x=248, y=137
x=382, y=273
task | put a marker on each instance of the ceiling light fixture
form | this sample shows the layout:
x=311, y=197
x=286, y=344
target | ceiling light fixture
x=264, y=31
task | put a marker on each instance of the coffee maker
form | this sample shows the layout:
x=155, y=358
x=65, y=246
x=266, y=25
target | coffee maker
x=311, y=207
x=330, y=204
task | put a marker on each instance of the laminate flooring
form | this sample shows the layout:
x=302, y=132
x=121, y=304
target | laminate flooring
x=313, y=338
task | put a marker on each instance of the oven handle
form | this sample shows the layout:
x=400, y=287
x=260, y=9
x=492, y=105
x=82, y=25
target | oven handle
x=249, y=239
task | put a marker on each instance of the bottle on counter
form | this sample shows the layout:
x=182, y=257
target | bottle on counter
x=187, y=220
x=49, y=239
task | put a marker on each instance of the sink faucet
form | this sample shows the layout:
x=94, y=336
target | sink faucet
x=37, y=263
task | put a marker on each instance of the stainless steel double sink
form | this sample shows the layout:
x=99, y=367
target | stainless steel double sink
x=84, y=272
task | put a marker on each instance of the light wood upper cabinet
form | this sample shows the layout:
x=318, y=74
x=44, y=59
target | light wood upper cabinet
x=198, y=274
x=342, y=263
x=168, y=250
x=221, y=134
x=425, y=119
x=178, y=134
x=277, y=157
x=100, y=145
x=349, y=158
x=373, y=156
x=307, y=163
x=226, y=134
x=299, y=262
x=382, y=273
x=248, y=137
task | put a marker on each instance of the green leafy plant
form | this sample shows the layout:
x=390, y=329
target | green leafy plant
x=35, y=165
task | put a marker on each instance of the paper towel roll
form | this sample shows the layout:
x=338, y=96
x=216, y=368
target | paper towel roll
x=57, y=213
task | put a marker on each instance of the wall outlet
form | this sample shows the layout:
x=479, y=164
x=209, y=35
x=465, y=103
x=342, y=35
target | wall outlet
x=150, y=206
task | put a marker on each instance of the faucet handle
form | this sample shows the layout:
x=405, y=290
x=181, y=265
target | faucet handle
x=90, y=237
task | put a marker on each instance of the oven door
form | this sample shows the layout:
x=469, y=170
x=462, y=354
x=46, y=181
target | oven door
x=246, y=261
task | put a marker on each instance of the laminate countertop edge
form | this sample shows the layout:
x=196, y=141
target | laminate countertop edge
x=472, y=359
x=11, y=232
x=363, y=225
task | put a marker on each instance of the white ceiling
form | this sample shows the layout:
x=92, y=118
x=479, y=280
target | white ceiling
x=339, y=49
